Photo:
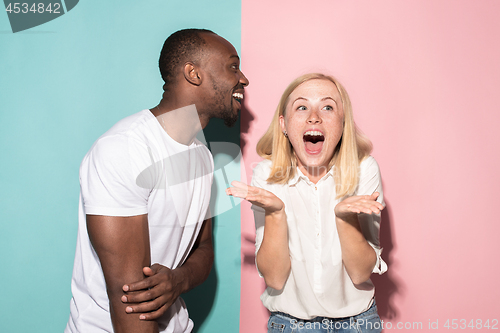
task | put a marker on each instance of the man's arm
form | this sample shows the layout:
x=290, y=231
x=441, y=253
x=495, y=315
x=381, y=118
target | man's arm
x=153, y=295
x=122, y=244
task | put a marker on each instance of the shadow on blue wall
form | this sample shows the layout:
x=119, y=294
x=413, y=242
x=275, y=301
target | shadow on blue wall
x=200, y=300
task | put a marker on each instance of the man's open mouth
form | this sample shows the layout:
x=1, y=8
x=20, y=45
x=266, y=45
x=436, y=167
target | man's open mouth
x=313, y=141
x=238, y=97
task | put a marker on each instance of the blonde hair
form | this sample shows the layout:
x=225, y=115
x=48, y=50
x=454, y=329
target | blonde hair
x=352, y=148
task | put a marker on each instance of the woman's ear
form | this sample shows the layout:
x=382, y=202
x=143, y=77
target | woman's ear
x=282, y=124
x=192, y=73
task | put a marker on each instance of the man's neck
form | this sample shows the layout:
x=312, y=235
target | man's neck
x=181, y=124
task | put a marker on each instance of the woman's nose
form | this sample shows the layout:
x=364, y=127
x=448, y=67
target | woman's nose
x=314, y=117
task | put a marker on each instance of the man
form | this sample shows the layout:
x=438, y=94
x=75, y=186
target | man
x=145, y=190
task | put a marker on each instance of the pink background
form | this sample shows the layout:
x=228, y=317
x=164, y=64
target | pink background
x=423, y=77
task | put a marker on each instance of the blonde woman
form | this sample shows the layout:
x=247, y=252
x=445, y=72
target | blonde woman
x=317, y=198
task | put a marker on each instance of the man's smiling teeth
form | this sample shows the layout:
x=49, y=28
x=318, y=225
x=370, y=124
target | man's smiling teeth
x=313, y=133
x=238, y=96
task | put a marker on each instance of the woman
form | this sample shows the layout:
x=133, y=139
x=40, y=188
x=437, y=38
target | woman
x=317, y=198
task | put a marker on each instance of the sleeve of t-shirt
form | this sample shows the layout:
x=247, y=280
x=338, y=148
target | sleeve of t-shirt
x=108, y=177
x=370, y=182
x=259, y=179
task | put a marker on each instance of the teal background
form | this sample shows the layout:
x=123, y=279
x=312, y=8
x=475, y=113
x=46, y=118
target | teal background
x=62, y=85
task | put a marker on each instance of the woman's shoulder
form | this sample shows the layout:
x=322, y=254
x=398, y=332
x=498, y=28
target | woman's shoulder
x=261, y=172
x=263, y=168
x=369, y=168
x=368, y=162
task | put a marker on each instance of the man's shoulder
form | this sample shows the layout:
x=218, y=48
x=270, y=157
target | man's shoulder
x=124, y=137
x=130, y=125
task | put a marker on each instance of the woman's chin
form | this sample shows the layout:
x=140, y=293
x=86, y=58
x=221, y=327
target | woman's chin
x=314, y=158
x=313, y=161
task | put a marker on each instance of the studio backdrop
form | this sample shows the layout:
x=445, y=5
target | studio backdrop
x=422, y=75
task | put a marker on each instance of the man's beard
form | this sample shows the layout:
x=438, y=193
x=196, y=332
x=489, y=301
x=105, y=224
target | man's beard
x=224, y=112
x=230, y=119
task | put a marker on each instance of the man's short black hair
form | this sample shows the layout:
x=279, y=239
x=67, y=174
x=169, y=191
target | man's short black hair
x=181, y=46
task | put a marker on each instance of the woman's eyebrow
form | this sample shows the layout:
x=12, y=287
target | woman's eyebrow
x=325, y=98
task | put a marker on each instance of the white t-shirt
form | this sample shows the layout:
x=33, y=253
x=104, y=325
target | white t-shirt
x=136, y=168
x=318, y=284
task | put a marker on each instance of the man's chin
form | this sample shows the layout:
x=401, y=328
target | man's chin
x=230, y=122
x=230, y=118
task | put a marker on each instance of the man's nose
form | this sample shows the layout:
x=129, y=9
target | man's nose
x=243, y=80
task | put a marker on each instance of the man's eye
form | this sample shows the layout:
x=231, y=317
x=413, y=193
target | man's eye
x=235, y=67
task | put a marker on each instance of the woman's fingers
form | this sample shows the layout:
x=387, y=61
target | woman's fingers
x=238, y=184
x=237, y=192
x=366, y=204
x=255, y=195
x=365, y=207
x=242, y=190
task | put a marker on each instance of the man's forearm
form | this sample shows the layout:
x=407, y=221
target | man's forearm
x=196, y=268
x=128, y=322
x=123, y=252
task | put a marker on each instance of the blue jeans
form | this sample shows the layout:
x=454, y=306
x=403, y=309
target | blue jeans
x=366, y=322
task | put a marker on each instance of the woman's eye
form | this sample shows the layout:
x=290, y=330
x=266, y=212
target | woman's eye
x=302, y=108
x=328, y=108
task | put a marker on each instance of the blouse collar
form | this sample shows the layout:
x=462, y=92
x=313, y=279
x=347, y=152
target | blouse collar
x=300, y=176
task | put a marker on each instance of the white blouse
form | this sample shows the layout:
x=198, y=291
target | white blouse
x=318, y=284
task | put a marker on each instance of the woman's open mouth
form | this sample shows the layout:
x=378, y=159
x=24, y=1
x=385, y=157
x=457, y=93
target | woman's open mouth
x=313, y=142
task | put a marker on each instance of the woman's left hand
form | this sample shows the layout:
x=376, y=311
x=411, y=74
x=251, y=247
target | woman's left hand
x=350, y=207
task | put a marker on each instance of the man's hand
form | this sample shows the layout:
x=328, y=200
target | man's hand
x=162, y=286
x=156, y=293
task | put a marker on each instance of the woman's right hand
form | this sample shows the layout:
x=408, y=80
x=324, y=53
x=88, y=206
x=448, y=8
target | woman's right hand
x=257, y=196
x=273, y=257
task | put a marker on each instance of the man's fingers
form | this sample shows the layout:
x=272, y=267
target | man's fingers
x=155, y=314
x=140, y=285
x=148, y=271
x=147, y=308
x=154, y=269
x=142, y=296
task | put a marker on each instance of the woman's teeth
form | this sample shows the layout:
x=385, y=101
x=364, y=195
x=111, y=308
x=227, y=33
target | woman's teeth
x=313, y=133
x=313, y=137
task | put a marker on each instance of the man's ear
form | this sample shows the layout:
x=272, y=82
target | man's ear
x=192, y=73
